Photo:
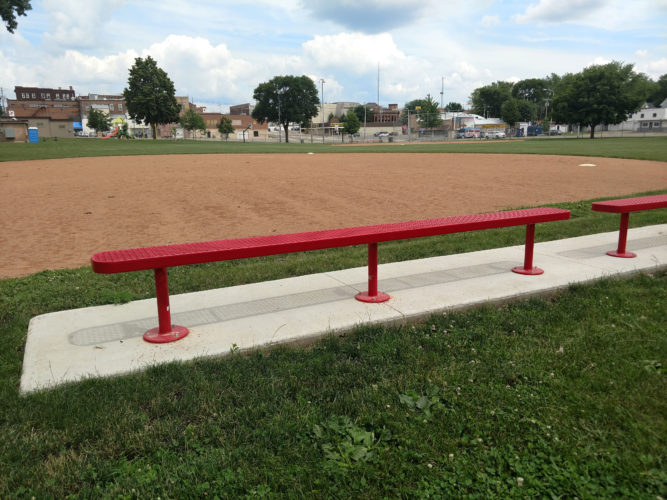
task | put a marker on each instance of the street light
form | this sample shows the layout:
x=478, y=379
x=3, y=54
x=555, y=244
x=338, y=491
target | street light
x=322, y=108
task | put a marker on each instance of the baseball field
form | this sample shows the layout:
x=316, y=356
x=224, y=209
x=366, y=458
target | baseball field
x=559, y=396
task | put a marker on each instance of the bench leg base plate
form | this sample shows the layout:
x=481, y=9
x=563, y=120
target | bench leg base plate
x=380, y=297
x=177, y=333
x=533, y=271
x=624, y=255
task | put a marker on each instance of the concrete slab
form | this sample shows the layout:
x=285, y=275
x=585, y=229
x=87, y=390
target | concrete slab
x=103, y=341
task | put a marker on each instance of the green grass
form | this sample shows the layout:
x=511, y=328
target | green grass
x=649, y=148
x=462, y=404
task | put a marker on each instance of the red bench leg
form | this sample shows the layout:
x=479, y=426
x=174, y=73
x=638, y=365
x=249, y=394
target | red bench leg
x=528, y=258
x=166, y=332
x=622, y=239
x=372, y=295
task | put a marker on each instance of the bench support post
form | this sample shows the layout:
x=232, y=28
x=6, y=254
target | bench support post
x=527, y=267
x=166, y=332
x=622, y=239
x=372, y=295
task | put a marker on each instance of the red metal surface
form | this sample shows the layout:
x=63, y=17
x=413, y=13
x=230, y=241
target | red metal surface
x=624, y=207
x=372, y=295
x=176, y=333
x=160, y=258
x=631, y=204
x=117, y=261
x=622, y=240
x=165, y=332
x=527, y=267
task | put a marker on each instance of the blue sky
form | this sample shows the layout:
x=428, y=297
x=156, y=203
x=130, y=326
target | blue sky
x=217, y=52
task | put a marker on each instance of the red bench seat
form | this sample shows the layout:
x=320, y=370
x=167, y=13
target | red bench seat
x=159, y=258
x=624, y=206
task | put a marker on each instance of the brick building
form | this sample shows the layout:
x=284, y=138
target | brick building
x=53, y=118
x=44, y=94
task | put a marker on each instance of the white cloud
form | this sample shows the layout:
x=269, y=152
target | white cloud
x=558, y=11
x=490, y=21
x=354, y=52
x=199, y=68
x=76, y=24
x=654, y=69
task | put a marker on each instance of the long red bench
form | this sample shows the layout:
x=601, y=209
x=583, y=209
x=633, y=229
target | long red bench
x=159, y=258
x=624, y=207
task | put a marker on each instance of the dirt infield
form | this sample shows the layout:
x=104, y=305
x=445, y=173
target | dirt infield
x=57, y=213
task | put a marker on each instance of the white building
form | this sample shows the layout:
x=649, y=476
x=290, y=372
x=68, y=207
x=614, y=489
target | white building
x=647, y=119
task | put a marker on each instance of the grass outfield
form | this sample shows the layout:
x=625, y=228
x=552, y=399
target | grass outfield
x=649, y=148
x=548, y=397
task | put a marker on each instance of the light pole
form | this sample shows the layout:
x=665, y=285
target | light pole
x=322, y=108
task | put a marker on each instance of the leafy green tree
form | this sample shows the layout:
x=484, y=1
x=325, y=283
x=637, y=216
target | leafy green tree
x=9, y=9
x=286, y=99
x=150, y=95
x=351, y=123
x=658, y=91
x=191, y=120
x=509, y=112
x=98, y=120
x=488, y=100
x=361, y=110
x=454, y=107
x=426, y=110
x=527, y=110
x=225, y=127
x=599, y=94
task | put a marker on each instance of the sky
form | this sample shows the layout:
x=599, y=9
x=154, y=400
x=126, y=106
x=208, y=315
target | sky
x=217, y=52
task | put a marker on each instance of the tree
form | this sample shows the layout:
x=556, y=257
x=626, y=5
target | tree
x=454, y=107
x=9, y=9
x=509, y=112
x=488, y=100
x=191, y=120
x=351, y=123
x=658, y=91
x=225, y=127
x=150, y=95
x=286, y=99
x=426, y=110
x=599, y=94
x=363, y=112
x=527, y=110
x=98, y=120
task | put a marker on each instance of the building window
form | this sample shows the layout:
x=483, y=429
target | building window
x=655, y=114
x=644, y=124
x=57, y=96
x=641, y=116
x=120, y=107
x=656, y=124
x=34, y=96
x=110, y=107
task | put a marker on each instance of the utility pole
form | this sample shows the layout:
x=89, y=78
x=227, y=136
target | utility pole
x=322, y=108
x=442, y=92
x=379, y=86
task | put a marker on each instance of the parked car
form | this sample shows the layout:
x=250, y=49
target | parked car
x=555, y=131
x=381, y=134
x=495, y=134
x=468, y=133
